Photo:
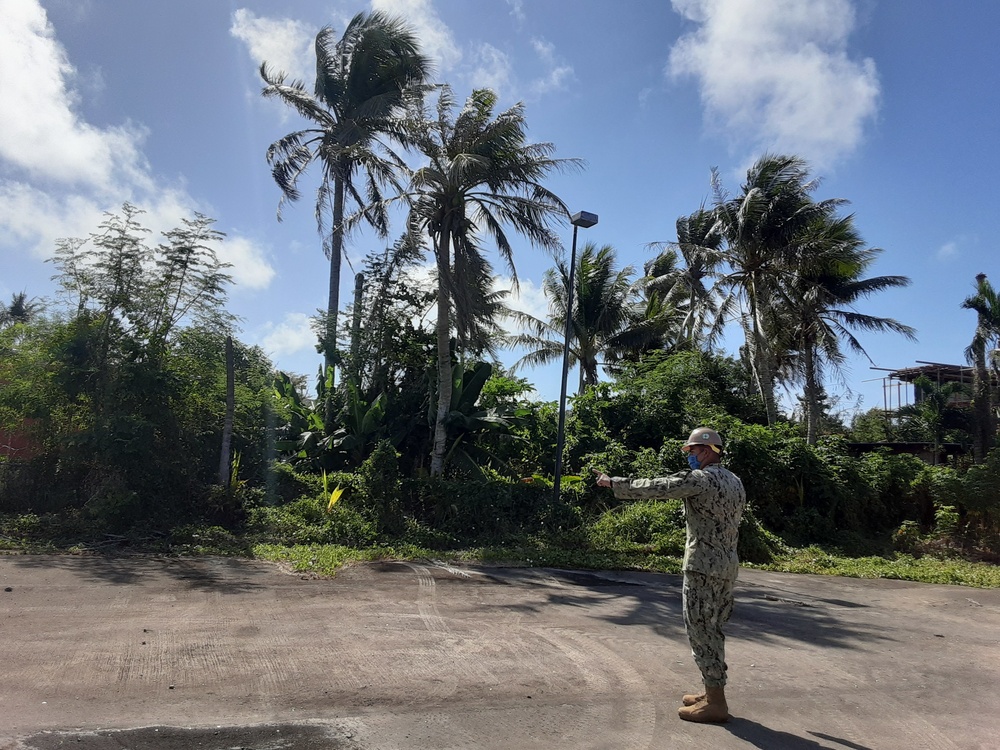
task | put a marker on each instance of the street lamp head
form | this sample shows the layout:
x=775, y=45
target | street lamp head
x=583, y=219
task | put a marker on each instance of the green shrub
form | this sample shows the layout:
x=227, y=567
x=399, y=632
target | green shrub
x=382, y=487
x=906, y=537
x=891, y=477
x=288, y=484
x=981, y=493
x=307, y=521
x=489, y=512
x=757, y=544
x=946, y=520
x=655, y=524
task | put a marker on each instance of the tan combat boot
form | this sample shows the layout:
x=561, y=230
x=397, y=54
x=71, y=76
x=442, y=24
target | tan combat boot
x=691, y=698
x=712, y=710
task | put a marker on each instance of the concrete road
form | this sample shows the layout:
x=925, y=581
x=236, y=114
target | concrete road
x=222, y=654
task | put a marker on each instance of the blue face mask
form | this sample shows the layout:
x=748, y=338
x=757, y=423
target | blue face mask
x=693, y=461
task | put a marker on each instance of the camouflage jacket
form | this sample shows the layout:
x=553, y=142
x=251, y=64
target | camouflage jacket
x=713, y=506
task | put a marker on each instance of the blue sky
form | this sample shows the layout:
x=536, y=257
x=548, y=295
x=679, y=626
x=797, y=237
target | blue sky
x=894, y=104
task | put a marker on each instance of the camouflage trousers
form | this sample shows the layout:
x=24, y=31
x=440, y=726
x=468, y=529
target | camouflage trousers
x=708, y=603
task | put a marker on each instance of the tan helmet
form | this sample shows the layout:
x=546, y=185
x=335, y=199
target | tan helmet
x=704, y=436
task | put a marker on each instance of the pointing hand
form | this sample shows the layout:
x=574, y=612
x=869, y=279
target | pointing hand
x=603, y=480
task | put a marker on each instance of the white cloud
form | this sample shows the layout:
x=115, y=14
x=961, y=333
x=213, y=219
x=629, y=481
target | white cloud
x=947, y=250
x=557, y=73
x=517, y=9
x=36, y=219
x=528, y=298
x=777, y=73
x=292, y=335
x=41, y=135
x=492, y=70
x=250, y=267
x=285, y=45
x=59, y=174
x=436, y=39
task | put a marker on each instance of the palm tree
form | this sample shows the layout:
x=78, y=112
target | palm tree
x=20, y=310
x=762, y=229
x=684, y=287
x=607, y=319
x=482, y=175
x=819, y=302
x=363, y=83
x=986, y=303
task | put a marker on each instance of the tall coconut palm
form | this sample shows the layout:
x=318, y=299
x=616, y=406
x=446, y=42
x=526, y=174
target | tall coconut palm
x=363, y=82
x=762, y=228
x=608, y=318
x=986, y=304
x=482, y=175
x=685, y=286
x=817, y=308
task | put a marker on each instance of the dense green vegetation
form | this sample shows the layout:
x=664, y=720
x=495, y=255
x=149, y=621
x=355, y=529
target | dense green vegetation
x=131, y=418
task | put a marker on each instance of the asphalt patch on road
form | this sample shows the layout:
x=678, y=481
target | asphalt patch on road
x=262, y=737
x=590, y=579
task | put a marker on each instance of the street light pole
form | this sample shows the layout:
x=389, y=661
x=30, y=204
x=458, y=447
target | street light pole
x=581, y=219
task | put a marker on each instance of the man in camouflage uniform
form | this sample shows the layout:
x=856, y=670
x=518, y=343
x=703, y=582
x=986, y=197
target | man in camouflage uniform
x=713, y=506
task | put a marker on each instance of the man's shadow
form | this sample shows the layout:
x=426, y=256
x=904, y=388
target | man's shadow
x=771, y=739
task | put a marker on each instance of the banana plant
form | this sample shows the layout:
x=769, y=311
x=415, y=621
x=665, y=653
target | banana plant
x=364, y=424
x=308, y=438
x=300, y=417
x=467, y=421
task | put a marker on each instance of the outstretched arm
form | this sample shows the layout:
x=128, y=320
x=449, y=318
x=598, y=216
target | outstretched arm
x=679, y=485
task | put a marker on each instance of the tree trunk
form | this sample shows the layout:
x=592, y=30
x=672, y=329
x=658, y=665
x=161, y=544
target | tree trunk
x=759, y=358
x=981, y=406
x=359, y=288
x=443, y=356
x=811, y=396
x=227, y=427
x=333, y=297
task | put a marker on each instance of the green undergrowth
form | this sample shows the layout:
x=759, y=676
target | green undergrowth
x=641, y=538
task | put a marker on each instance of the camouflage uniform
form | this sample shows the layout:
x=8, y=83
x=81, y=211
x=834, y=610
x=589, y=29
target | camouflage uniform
x=713, y=506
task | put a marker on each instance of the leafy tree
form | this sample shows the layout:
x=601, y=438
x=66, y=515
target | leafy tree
x=528, y=446
x=114, y=400
x=873, y=426
x=666, y=395
x=197, y=363
x=394, y=343
x=482, y=174
x=986, y=304
x=363, y=81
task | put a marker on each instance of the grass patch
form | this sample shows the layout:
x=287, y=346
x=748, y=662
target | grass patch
x=896, y=566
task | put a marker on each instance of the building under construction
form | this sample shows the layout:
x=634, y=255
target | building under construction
x=897, y=393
